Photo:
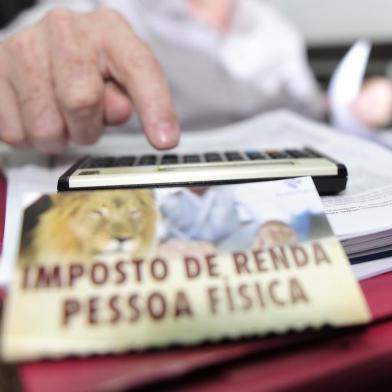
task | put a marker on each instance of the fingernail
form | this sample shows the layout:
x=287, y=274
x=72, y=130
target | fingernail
x=167, y=135
x=51, y=147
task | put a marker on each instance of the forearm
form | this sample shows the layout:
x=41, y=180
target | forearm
x=31, y=16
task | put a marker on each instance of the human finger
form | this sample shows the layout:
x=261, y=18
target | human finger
x=30, y=77
x=79, y=86
x=130, y=62
x=11, y=128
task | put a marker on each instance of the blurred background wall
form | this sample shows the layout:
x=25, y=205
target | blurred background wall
x=331, y=26
x=326, y=22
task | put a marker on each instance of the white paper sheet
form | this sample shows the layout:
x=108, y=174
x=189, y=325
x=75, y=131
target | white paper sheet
x=345, y=85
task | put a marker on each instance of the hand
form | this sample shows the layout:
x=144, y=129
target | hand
x=65, y=78
x=273, y=233
x=373, y=106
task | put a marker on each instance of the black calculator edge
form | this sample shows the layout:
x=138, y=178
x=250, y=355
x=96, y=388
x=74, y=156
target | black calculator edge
x=325, y=185
x=336, y=184
x=63, y=182
x=330, y=185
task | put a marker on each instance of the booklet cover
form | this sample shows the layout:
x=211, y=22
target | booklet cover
x=123, y=270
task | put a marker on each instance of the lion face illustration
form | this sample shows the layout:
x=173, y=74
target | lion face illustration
x=88, y=224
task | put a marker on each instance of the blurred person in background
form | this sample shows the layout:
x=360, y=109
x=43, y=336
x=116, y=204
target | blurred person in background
x=68, y=68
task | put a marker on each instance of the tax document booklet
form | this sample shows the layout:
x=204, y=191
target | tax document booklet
x=123, y=270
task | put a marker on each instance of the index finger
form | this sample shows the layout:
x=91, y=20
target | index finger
x=130, y=62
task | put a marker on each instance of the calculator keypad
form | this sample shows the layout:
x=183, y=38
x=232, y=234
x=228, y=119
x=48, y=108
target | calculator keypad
x=207, y=157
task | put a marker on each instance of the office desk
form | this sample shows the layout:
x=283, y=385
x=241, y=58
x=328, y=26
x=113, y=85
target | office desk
x=344, y=359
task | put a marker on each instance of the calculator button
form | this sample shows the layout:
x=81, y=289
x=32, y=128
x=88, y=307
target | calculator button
x=192, y=158
x=312, y=154
x=278, y=154
x=255, y=155
x=102, y=162
x=297, y=153
x=125, y=161
x=147, y=160
x=169, y=159
x=234, y=156
x=213, y=157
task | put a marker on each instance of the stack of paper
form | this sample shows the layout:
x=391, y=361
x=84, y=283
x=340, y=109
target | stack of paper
x=380, y=242
x=374, y=241
x=369, y=246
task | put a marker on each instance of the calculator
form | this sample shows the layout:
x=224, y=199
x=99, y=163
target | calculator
x=201, y=169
